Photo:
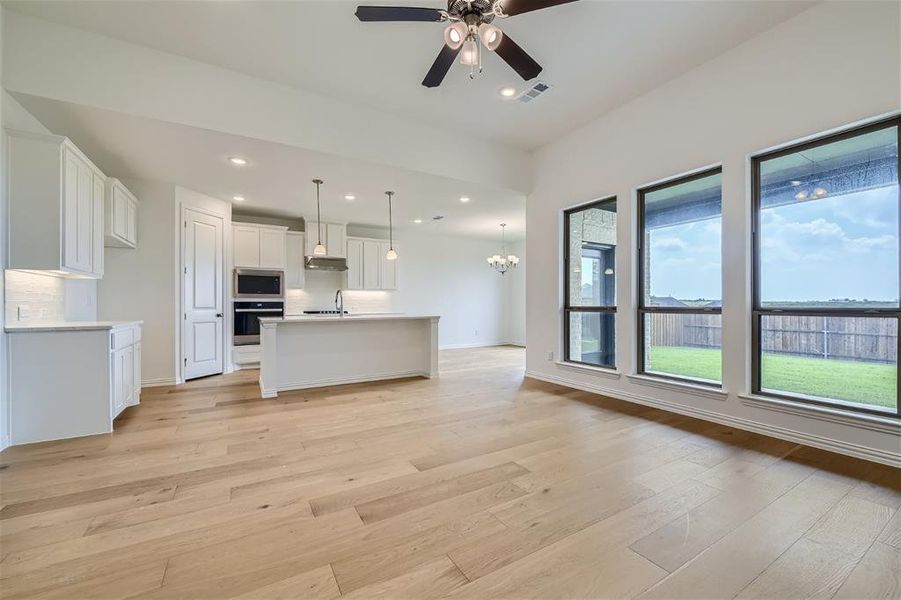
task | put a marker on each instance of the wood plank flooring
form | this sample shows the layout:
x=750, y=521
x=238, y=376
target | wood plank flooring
x=478, y=484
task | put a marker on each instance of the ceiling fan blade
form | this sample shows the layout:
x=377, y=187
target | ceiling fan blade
x=441, y=66
x=518, y=7
x=517, y=58
x=398, y=13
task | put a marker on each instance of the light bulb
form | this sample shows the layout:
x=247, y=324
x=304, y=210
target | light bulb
x=454, y=34
x=819, y=192
x=608, y=271
x=391, y=254
x=802, y=195
x=470, y=54
x=319, y=250
x=490, y=35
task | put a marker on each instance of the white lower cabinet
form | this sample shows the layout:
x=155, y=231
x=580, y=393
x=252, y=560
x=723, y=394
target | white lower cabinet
x=367, y=267
x=96, y=374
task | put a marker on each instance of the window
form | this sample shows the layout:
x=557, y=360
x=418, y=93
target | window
x=826, y=270
x=680, y=273
x=589, y=262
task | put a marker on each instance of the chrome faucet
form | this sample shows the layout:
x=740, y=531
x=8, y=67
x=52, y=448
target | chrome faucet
x=339, y=302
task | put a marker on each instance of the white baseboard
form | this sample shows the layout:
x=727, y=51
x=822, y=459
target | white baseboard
x=857, y=451
x=158, y=382
x=473, y=345
x=304, y=385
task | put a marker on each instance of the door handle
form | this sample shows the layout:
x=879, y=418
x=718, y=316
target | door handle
x=218, y=315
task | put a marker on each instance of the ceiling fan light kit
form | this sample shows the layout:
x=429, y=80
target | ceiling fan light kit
x=470, y=27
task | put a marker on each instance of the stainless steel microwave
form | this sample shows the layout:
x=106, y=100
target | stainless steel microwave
x=259, y=283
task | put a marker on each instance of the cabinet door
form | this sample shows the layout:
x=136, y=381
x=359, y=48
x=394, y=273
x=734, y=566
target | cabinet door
x=371, y=265
x=136, y=374
x=272, y=249
x=387, y=268
x=294, y=270
x=336, y=243
x=117, y=387
x=131, y=223
x=78, y=214
x=97, y=225
x=120, y=213
x=247, y=246
x=354, y=265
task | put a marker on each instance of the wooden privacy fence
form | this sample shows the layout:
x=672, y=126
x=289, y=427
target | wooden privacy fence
x=851, y=338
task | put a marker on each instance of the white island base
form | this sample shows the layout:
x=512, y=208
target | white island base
x=306, y=352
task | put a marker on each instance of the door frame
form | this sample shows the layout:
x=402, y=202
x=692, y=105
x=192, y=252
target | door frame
x=181, y=213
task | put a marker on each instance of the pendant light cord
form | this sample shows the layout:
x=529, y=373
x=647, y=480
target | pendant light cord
x=318, y=182
x=390, y=223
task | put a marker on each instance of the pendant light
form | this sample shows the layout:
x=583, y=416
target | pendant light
x=392, y=253
x=319, y=250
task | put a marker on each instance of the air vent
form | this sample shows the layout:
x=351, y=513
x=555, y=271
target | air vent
x=535, y=91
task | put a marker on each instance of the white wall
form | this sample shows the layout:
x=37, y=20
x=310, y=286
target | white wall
x=437, y=275
x=4, y=367
x=831, y=65
x=141, y=283
x=516, y=297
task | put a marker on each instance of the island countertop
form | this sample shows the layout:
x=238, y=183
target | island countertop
x=346, y=318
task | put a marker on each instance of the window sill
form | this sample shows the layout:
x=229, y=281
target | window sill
x=679, y=386
x=602, y=371
x=824, y=413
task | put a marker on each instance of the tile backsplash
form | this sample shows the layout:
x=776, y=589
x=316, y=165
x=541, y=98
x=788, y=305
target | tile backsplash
x=35, y=296
x=319, y=293
x=43, y=297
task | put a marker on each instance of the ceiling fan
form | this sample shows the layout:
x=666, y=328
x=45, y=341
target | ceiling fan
x=470, y=27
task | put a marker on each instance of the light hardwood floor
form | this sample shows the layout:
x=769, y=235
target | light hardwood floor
x=479, y=484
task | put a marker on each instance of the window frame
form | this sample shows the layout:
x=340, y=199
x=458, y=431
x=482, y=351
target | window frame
x=568, y=308
x=758, y=311
x=642, y=309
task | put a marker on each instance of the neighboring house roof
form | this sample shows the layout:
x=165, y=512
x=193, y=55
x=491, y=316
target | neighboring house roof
x=666, y=301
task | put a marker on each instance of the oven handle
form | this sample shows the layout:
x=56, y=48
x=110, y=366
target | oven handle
x=266, y=310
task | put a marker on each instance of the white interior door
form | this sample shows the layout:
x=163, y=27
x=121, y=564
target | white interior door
x=204, y=325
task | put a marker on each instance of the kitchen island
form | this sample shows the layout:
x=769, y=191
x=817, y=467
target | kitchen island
x=314, y=351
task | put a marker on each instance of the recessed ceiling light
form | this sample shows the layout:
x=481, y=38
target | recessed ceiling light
x=464, y=199
x=508, y=92
x=417, y=221
x=350, y=197
x=237, y=160
x=238, y=198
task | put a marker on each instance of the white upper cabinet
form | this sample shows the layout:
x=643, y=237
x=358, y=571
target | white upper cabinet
x=354, y=271
x=367, y=267
x=334, y=238
x=121, y=216
x=55, y=206
x=295, y=275
x=387, y=269
x=259, y=246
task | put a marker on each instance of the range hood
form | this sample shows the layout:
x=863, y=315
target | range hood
x=325, y=263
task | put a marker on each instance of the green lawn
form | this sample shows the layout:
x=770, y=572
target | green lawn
x=866, y=383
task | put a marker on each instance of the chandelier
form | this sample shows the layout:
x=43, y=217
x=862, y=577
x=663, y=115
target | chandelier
x=503, y=262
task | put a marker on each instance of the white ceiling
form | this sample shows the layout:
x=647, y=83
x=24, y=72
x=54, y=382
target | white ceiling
x=278, y=179
x=596, y=54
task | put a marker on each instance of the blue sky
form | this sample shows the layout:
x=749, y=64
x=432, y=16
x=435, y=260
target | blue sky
x=835, y=247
